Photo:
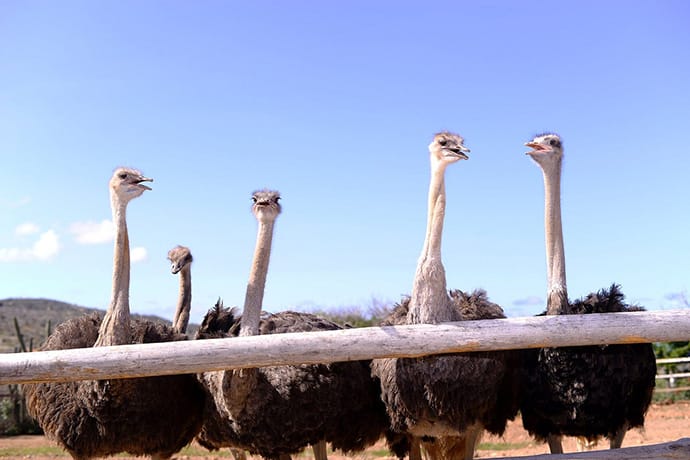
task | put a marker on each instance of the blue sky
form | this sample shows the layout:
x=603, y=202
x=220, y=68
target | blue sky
x=334, y=104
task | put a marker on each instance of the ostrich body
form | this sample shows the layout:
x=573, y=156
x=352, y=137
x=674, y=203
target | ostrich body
x=447, y=400
x=590, y=391
x=181, y=259
x=278, y=411
x=154, y=416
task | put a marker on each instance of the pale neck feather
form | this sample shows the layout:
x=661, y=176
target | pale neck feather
x=184, y=302
x=557, y=302
x=240, y=383
x=435, y=213
x=254, y=297
x=115, y=327
x=429, y=300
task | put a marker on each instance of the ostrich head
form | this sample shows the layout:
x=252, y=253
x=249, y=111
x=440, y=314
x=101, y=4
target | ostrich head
x=126, y=184
x=266, y=205
x=547, y=150
x=179, y=257
x=447, y=148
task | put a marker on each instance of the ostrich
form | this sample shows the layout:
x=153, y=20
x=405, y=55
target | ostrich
x=592, y=391
x=154, y=416
x=445, y=400
x=180, y=258
x=278, y=411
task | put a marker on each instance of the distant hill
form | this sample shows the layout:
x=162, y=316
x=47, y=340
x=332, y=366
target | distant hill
x=33, y=316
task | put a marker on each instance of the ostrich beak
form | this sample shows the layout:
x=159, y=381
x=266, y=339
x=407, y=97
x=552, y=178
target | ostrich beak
x=536, y=147
x=143, y=179
x=461, y=151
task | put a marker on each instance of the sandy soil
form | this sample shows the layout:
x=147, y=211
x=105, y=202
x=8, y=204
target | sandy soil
x=664, y=423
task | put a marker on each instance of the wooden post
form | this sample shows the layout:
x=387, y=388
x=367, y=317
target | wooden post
x=20, y=336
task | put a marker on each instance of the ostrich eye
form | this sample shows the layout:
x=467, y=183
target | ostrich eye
x=254, y=199
x=553, y=142
x=442, y=142
x=122, y=175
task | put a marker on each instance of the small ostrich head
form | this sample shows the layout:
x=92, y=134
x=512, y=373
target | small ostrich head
x=447, y=148
x=126, y=184
x=266, y=205
x=547, y=149
x=179, y=257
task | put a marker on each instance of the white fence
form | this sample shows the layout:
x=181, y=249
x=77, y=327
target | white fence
x=672, y=384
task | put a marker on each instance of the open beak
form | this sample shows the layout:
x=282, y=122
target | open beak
x=536, y=147
x=461, y=151
x=143, y=179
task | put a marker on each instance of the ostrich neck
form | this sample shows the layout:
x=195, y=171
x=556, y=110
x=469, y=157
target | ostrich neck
x=557, y=302
x=115, y=328
x=435, y=215
x=254, y=297
x=238, y=384
x=184, y=303
x=429, y=301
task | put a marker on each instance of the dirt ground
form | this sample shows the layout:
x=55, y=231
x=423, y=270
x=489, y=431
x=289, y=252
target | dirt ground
x=663, y=423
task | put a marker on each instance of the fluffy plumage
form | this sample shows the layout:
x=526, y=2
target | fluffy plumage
x=141, y=416
x=292, y=407
x=219, y=322
x=589, y=391
x=461, y=389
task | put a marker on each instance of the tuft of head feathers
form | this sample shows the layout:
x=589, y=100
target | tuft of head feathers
x=219, y=322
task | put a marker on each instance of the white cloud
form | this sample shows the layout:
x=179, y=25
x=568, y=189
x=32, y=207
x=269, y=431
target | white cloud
x=46, y=248
x=93, y=232
x=138, y=254
x=12, y=254
x=27, y=228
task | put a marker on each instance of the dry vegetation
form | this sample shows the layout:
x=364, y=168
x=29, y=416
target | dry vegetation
x=667, y=422
x=33, y=316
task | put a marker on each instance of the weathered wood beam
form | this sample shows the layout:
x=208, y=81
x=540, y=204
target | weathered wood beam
x=674, y=450
x=346, y=345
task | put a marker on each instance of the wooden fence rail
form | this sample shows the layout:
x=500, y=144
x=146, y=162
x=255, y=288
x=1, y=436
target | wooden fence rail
x=346, y=345
x=674, y=450
x=672, y=360
x=682, y=375
x=672, y=388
